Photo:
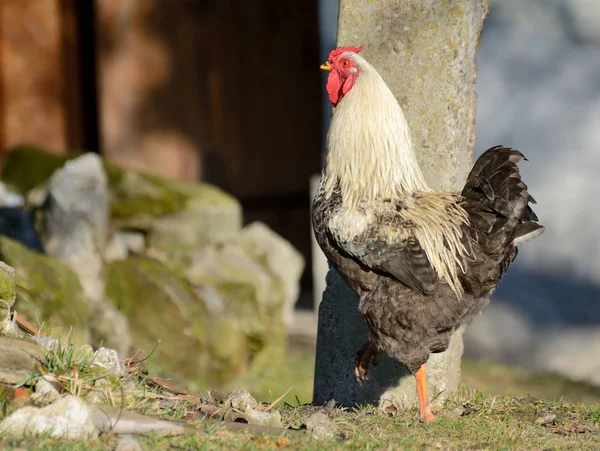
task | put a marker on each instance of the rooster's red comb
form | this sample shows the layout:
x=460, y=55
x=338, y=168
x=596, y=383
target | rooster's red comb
x=337, y=52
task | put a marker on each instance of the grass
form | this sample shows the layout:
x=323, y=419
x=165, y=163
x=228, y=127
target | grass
x=494, y=409
x=492, y=379
x=73, y=372
x=486, y=423
x=295, y=373
x=63, y=360
x=496, y=379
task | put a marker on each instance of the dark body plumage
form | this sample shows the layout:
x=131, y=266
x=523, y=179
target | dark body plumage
x=409, y=310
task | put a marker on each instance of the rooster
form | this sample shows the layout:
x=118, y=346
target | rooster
x=422, y=262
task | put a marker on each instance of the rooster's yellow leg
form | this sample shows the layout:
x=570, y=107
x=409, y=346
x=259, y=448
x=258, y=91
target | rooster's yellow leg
x=363, y=360
x=424, y=406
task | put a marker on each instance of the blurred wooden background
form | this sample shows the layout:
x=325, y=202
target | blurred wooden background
x=225, y=91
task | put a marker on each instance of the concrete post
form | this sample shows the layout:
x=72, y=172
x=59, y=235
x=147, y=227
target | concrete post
x=425, y=51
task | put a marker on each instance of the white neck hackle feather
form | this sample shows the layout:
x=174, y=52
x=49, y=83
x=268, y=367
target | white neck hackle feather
x=369, y=149
x=370, y=159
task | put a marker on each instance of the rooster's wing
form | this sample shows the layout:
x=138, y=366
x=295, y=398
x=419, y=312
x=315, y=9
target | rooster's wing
x=403, y=259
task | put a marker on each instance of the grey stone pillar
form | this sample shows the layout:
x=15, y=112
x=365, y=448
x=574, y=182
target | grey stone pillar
x=425, y=51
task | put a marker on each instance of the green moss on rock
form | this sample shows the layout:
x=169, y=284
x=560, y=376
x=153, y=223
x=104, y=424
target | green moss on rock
x=134, y=193
x=230, y=323
x=137, y=193
x=7, y=285
x=248, y=300
x=47, y=291
x=160, y=305
x=178, y=216
x=27, y=167
x=7, y=298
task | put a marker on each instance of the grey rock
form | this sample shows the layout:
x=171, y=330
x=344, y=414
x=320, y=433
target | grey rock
x=546, y=419
x=123, y=243
x=10, y=329
x=193, y=213
x=457, y=412
x=67, y=418
x=283, y=260
x=244, y=301
x=76, y=233
x=177, y=217
x=240, y=400
x=17, y=358
x=261, y=418
x=117, y=421
x=109, y=360
x=389, y=30
x=48, y=289
x=128, y=443
x=47, y=343
x=321, y=426
x=194, y=228
x=76, y=220
x=235, y=262
x=45, y=393
x=98, y=396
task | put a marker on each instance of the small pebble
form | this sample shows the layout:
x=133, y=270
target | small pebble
x=321, y=426
x=547, y=419
x=240, y=400
x=457, y=412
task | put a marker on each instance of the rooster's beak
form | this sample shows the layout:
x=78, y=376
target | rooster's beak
x=326, y=66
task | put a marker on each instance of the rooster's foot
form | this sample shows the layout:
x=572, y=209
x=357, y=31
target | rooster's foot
x=424, y=406
x=363, y=360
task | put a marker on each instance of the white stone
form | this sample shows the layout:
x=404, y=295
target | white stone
x=45, y=393
x=283, y=260
x=321, y=426
x=241, y=400
x=67, y=418
x=261, y=418
x=109, y=360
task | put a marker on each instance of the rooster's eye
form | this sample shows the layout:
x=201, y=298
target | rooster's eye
x=345, y=62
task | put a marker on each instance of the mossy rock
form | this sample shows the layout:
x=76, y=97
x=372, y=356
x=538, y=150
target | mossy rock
x=209, y=333
x=246, y=299
x=47, y=291
x=7, y=284
x=7, y=296
x=160, y=306
x=27, y=167
x=176, y=215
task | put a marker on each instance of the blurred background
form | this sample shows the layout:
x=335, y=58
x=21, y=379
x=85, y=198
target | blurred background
x=228, y=93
